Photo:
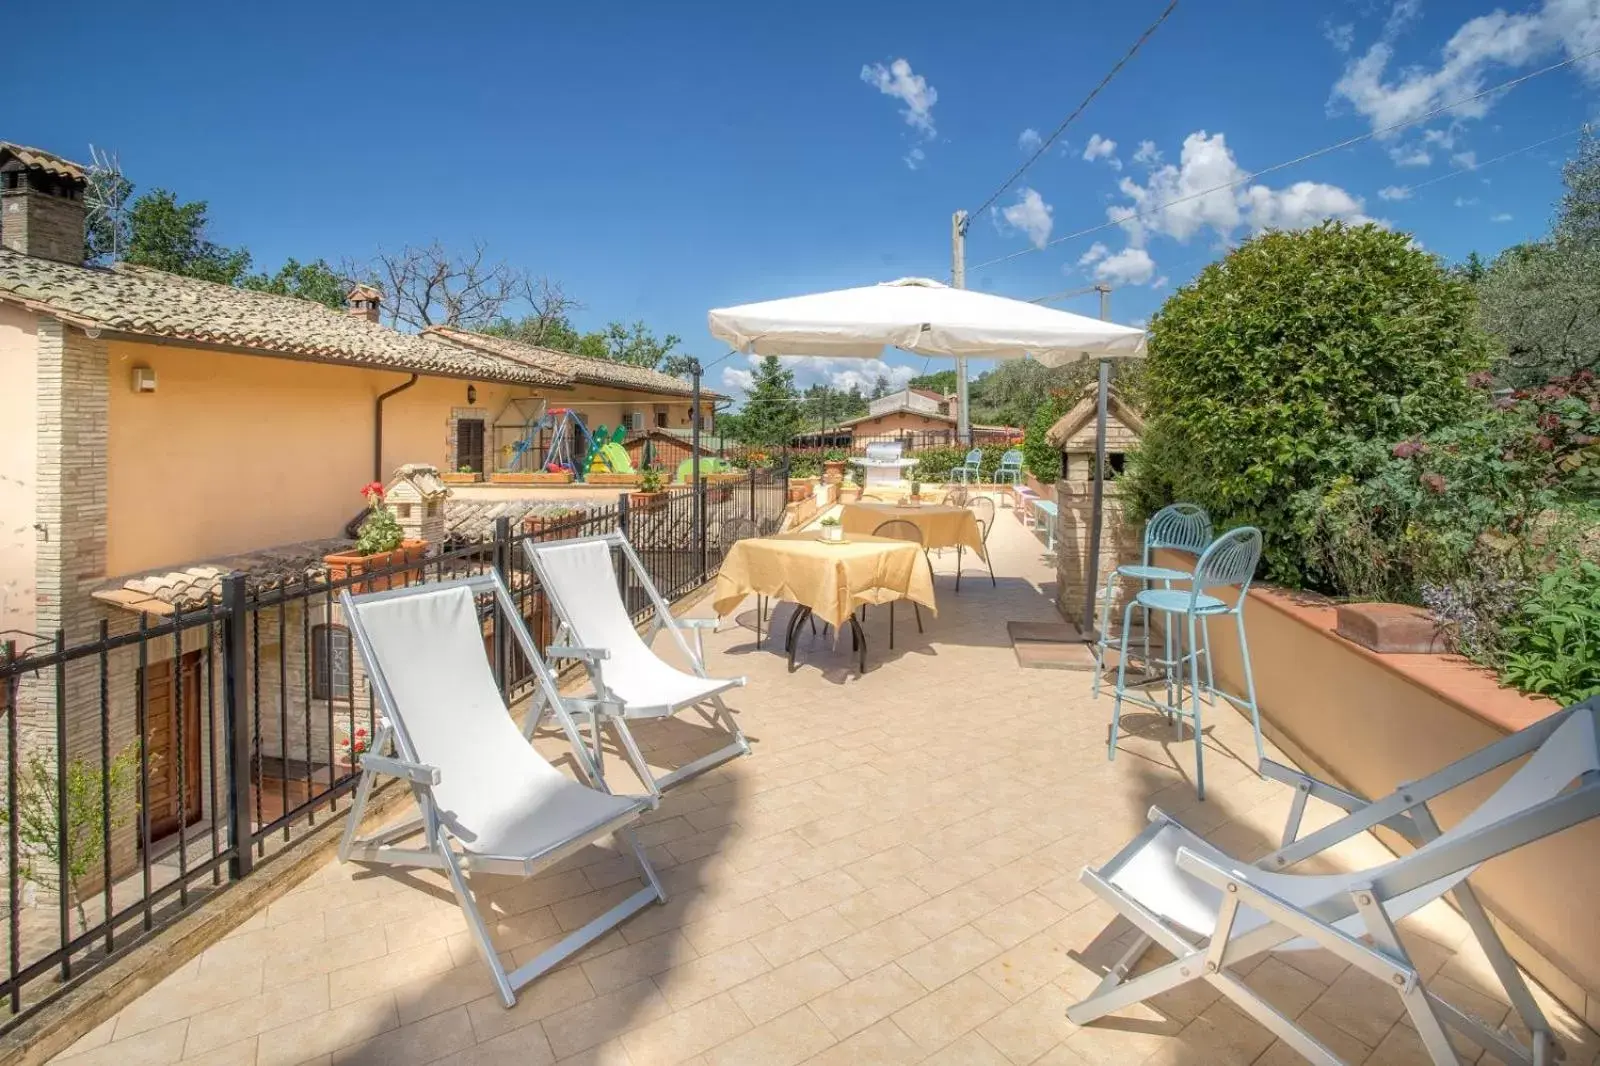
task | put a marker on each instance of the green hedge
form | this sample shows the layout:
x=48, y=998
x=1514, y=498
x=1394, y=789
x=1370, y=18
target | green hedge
x=1295, y=343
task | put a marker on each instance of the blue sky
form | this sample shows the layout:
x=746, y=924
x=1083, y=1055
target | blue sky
x=659, y=160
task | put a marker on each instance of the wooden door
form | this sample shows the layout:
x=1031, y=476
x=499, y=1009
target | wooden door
x=163, y=702
x=469, y=444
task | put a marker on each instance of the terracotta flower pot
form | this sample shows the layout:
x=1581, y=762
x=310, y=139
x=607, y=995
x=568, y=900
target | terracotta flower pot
x=542, y=477
x=623, y=480
x=343, y=565
x=461, y=478
x=646, y=501
x=833, y=471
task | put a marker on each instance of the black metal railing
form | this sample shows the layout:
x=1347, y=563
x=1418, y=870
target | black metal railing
x=186, y=741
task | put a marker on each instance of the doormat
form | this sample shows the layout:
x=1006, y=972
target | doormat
x=1050, y=646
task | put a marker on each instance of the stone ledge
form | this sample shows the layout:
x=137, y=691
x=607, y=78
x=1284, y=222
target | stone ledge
x=1390, y=628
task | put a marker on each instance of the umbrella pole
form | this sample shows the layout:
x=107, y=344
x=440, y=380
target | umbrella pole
x=1095, y=512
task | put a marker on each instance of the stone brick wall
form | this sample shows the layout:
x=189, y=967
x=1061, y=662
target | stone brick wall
x=1120, y=542
x=36, y=223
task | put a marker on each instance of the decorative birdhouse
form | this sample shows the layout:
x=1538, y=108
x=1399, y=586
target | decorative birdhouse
x=416, y=495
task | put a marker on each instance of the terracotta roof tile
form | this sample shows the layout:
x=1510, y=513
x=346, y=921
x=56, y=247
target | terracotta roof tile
x=191, y=587
x=35, y=159
x=153, y=303
x=579, y=368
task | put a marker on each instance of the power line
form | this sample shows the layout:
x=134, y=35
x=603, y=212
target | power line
x=1489, y=162
x=1044, y=145
x=1346, y=143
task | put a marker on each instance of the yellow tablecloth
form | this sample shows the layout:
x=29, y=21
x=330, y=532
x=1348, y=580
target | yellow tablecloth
x=942, y=526
x=830, y=578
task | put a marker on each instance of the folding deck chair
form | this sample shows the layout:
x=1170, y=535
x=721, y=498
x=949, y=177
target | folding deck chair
x=488, y=801
x=630, y=681
x=1211, y=911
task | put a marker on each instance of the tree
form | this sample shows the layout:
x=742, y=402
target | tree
x=943, y=382
x=1292, y=344
x=549, y=325
x=635, y=345
x=431, y=286
x=171, y=236
x=106, y=199
x=771, y=414
x=1541, y=301
x=315, y=281
x=824, y=406
x=880, y=388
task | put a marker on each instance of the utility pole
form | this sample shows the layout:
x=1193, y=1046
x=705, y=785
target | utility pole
x=958, y=277
x=1096, y=512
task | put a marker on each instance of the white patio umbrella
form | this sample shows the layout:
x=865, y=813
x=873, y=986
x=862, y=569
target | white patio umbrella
x=927, y=317
x=922, y=316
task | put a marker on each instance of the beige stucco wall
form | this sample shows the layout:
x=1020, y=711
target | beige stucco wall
x=1370, y=727
x=18, y=462
x=902, y=422
x=237, y=452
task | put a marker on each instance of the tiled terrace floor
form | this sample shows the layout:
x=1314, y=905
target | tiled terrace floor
x=891, y=877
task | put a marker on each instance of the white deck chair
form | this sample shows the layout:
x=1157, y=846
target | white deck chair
x=1212, y=911
x=489, y=802
x=631, y=682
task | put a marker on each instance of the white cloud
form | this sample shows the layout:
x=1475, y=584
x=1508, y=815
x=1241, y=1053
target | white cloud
x=1097, y=251
x=1395, y=192
x=1478, y=46
x=1501, y=217
x=1102, y=148
x=1465, y=160
x=842, y=374
x=1206, y=189
x=1029, y=140
x=1148, y=154
x=1131, y=266
x=913, y=90
x=1031, y=215
x=1445, y=138
x=915, y=157
x=1410, y=157
x=1466, y=201
x=1341, y=37
x=1159, y=283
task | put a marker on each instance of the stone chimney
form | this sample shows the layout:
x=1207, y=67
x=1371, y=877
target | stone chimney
x=364, y=301
x=41, y=204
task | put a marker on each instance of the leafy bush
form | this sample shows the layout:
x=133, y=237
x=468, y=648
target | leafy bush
x=1553, y=641
x=380, y=530
x=1434, y=510
x=1295, y=343
x=935, y=464
x=1039, y=456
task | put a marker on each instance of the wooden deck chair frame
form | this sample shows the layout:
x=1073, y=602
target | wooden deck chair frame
x=1440, y=864
x=606, y=705
x=438, y=851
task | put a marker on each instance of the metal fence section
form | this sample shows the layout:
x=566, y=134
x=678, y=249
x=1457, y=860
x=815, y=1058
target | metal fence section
x=166, y=756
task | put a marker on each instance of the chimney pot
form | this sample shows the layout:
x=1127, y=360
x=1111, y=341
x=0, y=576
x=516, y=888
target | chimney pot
x=364, y=301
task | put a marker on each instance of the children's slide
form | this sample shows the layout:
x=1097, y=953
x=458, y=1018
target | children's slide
x=616, y=457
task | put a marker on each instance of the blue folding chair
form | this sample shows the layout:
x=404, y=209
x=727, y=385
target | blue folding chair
x=1009, y=472
x=1230, y=562
x=1181, y=526
x=969, y=472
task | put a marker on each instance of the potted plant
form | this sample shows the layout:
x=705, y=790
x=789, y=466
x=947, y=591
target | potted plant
x=916, y=491
x=464, y=475
x=649, y=496
x=831, y=529
x=351, y=747
x=381, y=548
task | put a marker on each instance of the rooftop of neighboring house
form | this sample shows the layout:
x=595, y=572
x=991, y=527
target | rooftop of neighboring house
x=142, y=302
x=579, y=368
x=919, y=401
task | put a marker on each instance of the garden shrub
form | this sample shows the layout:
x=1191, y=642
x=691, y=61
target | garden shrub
x=935, y=464
x=1041, y=458
x=1295, y=343
x=1553, y=641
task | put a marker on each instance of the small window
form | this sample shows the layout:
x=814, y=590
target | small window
x=433, y=508
x=661, y=419
x=405, y=510
x=330, y=662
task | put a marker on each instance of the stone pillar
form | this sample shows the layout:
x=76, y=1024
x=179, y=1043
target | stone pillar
x=1119, y=543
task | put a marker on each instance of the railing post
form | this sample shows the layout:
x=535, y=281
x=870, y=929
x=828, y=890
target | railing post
x=236, y=724
x=622, y=513
x=752, y=472
x=700, y=531
x=502, y=565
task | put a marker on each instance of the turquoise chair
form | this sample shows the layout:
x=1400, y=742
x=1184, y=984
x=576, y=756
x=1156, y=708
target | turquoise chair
x=1009, y=472
x=1181, y=526
x=1230, y=562
x=968, y=473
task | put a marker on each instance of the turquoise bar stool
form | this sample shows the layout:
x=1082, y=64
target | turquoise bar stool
x=1181, y=526
x=1230, y=562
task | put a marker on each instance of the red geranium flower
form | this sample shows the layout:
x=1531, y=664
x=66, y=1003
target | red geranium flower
x=1433, y=482
x=372, y=488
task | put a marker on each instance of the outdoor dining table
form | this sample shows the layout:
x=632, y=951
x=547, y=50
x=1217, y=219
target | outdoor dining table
x=828, y=579
x=942, y=525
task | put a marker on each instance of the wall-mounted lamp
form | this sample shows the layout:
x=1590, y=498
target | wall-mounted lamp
x=472, y=395
x=144, y=379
